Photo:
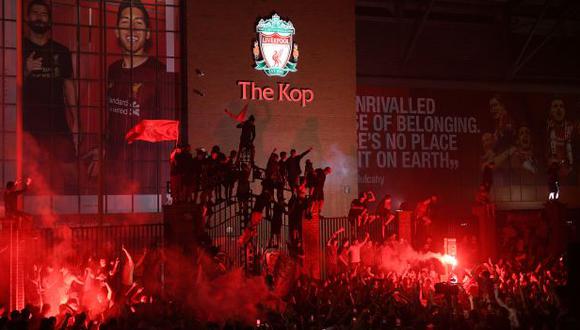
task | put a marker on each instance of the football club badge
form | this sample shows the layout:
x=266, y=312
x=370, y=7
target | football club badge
x=275, y=52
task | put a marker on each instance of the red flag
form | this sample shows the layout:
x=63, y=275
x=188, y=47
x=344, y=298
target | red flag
x=154, y=131
x=240, y=117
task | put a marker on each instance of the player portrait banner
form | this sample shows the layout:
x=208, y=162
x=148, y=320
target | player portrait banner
x=92, y=106
x=415, y=142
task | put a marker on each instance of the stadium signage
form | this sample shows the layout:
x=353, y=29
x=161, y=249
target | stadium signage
x=274, y=51
x=283, y=92
x=276, y=54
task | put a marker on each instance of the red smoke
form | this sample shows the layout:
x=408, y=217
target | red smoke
x=214, y=295
x=398, y=256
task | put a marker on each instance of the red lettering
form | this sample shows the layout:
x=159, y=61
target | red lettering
x=256, y=92
x=275, y=40
x=244, y=85
x=307, y=96
x=295, y=95
x=283, y=92
x=249, y=90
x=268, y=94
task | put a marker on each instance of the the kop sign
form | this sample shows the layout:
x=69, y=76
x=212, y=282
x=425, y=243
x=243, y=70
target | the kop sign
x=276, y=54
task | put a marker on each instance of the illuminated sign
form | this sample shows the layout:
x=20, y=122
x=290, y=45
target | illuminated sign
x=275, y=52
x=284, y=92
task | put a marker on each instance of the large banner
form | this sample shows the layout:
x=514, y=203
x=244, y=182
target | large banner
x=93, y=71
x=416, y=142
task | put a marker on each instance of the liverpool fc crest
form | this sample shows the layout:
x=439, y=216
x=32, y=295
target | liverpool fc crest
x=274, y=51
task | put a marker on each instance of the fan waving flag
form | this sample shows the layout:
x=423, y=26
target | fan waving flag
x=154, y=131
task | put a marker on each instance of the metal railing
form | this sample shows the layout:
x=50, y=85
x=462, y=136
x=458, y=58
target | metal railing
x=78, y=243
x=227, y=222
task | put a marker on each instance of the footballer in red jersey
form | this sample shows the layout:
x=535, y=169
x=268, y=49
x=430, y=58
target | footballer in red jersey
x=137, y=89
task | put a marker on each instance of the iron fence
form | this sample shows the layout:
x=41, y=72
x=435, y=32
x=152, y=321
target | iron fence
x=78, y=243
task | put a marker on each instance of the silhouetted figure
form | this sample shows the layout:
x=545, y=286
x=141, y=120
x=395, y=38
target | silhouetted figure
x=216, y=171
x=318, y=188
x=358, y=212
x=297, y=207
x=196, y=169
x=272, y=175
x=276, y=223
x=281, y=184
x=181, y=174
x=385, y=213
x=255, y=218
x=247, y=137
x=11, y=198
x=293, y=169
x=230, y=179
x=424, y=220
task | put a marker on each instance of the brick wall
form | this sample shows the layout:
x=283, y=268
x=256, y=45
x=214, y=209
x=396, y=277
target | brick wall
x=220, y=38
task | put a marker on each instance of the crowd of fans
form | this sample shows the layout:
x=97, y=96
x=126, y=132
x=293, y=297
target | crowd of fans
x=98, y=287
x=489, y=296
x=417, y=293
x=210, y=178
x=370, y=283
x=372, y=280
